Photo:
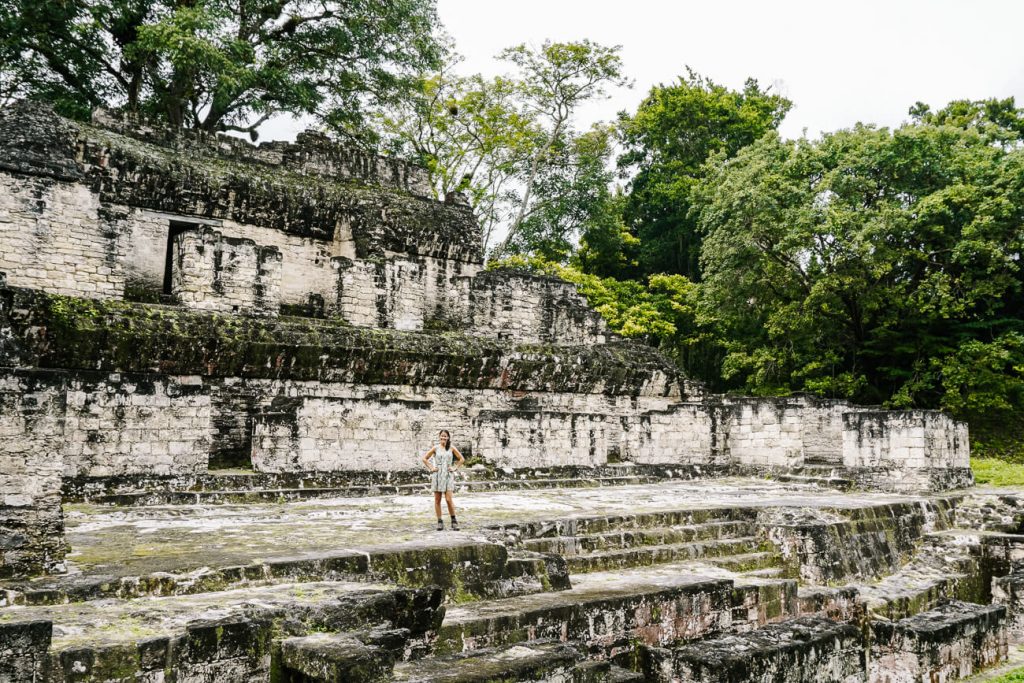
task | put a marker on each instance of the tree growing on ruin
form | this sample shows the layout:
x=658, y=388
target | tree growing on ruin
x=215, y=65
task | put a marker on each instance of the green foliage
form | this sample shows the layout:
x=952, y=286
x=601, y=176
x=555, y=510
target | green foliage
x=472, y=134
x=665, y=311
x=879, y=265
x=571, y=195
x=216, y=65
x=674, y=131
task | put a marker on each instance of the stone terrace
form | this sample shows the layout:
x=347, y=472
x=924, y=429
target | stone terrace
x=649, y=581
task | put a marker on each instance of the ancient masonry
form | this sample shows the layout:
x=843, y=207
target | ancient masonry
x=197, y=333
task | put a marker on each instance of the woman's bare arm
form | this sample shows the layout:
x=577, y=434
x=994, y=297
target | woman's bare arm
x=462, y=461
x=426, y=457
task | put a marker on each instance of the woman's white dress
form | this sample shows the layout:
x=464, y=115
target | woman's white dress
x=443, y=479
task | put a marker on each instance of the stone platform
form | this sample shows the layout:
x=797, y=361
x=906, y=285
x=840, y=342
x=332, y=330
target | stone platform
x=603, y=583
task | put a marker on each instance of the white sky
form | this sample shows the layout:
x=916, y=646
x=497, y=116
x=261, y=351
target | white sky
x=840, y=62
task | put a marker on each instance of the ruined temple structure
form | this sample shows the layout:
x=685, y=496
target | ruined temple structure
x=220, y=363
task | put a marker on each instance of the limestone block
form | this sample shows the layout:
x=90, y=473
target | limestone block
x=948, y=642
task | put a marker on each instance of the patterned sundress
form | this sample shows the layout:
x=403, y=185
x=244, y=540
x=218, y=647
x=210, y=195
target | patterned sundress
x=444, y=478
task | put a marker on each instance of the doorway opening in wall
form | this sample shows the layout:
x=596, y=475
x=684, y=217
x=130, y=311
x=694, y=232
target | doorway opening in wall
x=175, y=228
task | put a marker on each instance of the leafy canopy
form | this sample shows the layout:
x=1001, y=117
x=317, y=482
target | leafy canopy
x=509, y=142
x=214, y=64
x=666, y=142
x=875, y=264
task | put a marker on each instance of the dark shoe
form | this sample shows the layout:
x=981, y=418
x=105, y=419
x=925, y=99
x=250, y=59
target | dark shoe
x=440, y=525
x=455, y=525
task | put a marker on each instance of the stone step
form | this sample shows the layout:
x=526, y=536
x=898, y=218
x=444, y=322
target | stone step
x=826, y=481
x=597, y=524
x=629, y=538
x=749, y=563
x=804, y=650
x=943, y=569
x=954, y=640
x=601, y=611
x=535, y=661
x=246, y=495
x=465, y=568
x=661, y=554
x=222, y=635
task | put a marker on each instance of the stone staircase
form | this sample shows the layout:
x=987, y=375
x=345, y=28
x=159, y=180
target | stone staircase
x=728, y=538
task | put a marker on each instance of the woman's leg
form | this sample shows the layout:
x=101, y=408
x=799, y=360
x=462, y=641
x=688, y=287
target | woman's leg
x=451, y=504
x=437, y=503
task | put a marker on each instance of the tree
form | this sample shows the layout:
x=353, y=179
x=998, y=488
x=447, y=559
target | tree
x=999, y=120
x=471, y=133
x=874, y=264
x=673, y=132
x=572, y=194
x=554, y=81
x=503, y=140
x=217, y=65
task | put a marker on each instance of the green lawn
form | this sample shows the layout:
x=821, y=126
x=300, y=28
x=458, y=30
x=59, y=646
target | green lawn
x=998, y=473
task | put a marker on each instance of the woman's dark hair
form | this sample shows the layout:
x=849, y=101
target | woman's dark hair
x=448, y=445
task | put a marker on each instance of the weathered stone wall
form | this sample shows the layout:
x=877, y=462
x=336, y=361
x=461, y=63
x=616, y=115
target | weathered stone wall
x=910, y=439
x=324, y=427
x=24, y=651
x=31, y=445
x=765, y=432
x=522, y=439
x=532, y=309
x=312, y=153
x=822, y=428
x=117, y=424
x=323, y=435
x=949, y=642
x=388, y=293
x=903, y=450
x=687, y=434
x=54, y=235
x=225, y=275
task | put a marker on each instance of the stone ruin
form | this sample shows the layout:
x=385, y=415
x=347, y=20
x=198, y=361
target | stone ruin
x=220, y=363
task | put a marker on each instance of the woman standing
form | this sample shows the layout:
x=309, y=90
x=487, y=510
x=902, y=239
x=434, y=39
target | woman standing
x=443, y=479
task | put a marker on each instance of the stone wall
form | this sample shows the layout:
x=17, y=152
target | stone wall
x=388, y=293
x=324, y=435
x=684, y=434
x=524, y=439
x=24, y=651
x=822, y=428
x=906, y=449
x=54, y=235
x=532, y=309
x=31, y=443
x=949, y=642
x=117, y=424
x=225, y=275
x=312, y=153
x=765, y=433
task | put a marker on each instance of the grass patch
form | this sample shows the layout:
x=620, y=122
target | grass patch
x=998, y=473
x=1015, y=676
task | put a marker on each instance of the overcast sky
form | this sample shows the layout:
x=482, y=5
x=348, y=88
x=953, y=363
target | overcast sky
x=840, y=62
